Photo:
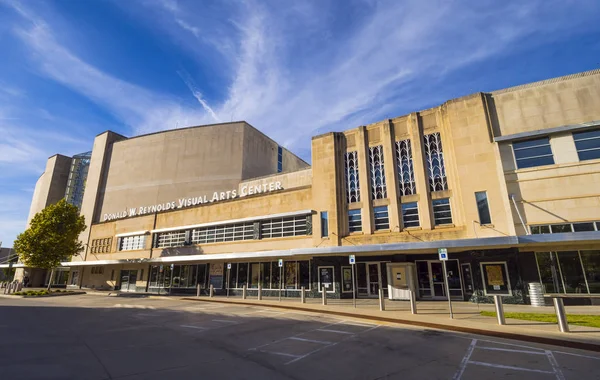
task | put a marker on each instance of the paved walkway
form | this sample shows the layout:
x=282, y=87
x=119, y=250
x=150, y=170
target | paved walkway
x=436, y=315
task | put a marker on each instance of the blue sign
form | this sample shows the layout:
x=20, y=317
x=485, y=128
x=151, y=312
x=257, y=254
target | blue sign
x=352, y=259
x=443, y=254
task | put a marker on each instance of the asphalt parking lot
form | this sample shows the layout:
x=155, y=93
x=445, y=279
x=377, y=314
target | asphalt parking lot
x=97, y=337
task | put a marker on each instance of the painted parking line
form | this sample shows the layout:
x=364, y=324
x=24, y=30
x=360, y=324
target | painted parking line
x=476, y=344
x=226, y=321
x=303, y=338
x=194, y=327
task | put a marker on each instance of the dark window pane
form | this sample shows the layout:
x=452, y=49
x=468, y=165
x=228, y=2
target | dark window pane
x=587, y=144
x=275, y=275
x=545, y=229
x=544, y=263
x=560, y=228
x=591, y=263
x=535, y=230
x=572, y=273
x=589, y=155
x=304, y=274
x=580, y=227
x=531, y=143
x=586, y=135
x=324, y=224
x=533, y=152
x=532, y=162
x=483, y=208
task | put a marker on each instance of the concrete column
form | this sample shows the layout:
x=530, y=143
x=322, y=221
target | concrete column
x=362, y=147
x=391, y=174
x=420, y=168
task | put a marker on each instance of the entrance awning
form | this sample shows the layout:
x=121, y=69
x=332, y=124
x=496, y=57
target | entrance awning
x=372, y=249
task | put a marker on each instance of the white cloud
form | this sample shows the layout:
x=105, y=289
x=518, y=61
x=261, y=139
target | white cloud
x=371, y=69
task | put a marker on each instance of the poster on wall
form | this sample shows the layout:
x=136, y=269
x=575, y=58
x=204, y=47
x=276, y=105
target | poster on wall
x=495, y=279
x=347, y=279
x=326, y=279
x=216, y=275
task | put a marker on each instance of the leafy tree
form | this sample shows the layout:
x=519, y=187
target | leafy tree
x=52, y=237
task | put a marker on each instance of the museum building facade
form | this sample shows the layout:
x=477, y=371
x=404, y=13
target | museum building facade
x=507, y=182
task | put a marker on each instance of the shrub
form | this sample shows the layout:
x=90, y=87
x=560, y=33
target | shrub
x=18, y=293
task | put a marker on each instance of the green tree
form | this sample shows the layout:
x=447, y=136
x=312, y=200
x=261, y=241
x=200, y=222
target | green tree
x=52, y=237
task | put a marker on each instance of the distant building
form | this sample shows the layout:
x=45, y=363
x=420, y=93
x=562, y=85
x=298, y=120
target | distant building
x=507, y=183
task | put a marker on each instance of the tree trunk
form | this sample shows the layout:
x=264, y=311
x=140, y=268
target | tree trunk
x=50, y=280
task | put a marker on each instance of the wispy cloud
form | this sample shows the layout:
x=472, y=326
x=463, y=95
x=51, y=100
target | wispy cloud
x=374, y=67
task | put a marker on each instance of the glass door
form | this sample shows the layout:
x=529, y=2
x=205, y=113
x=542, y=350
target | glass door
x=128, y=280
x=437, y=279
x=373, y=279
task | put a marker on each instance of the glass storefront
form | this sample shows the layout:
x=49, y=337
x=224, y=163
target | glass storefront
x=180, y=276
x=430, y=276
x=576, y=271
x=296, y=274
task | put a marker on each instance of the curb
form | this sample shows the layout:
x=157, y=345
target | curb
x=439, y=326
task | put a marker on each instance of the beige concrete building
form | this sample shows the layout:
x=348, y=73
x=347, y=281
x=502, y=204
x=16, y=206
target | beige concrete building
x=504, y=185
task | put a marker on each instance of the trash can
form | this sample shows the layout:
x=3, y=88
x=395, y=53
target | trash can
x=536, y=294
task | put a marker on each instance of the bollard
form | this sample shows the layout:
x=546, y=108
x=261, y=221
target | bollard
x=211, y=291
x=259, y=292
x=19, y=286
x=413, y=302
x=197, y=290
x=499, y=310
x=324, y=296
x=302, y=295
x=244, y=288
x=559, y=306
x=381, y=300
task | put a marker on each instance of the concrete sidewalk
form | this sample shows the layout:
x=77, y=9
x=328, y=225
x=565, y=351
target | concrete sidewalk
x=435, y=315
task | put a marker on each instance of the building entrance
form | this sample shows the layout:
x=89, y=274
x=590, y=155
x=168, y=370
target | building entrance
x=368, y=279
x=128, y=280
x=430, y=274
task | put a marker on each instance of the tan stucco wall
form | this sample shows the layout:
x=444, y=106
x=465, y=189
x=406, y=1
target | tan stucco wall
x=251, y=206
x=567, y=191
x=50, y=187
x=551, y=103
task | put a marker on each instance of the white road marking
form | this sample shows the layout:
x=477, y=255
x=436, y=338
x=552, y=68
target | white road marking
x=193, y=327
x=508, y=350
x=310, y=340
x=225, y=321
x=555, y=367
x=508, y=367
x=465, y=360
x=279, y=353
x=336, y=331
x=581, y=356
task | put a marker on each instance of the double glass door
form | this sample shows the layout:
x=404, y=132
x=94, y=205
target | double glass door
x=368, y=279
x=128, y=280
x=430, y=274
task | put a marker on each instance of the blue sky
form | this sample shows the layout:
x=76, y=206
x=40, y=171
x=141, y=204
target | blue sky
x=72, y=69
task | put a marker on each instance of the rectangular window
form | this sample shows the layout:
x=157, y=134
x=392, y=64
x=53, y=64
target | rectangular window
x=381, y=218
x=406, y=174
x=324, y=224
x=434, y=157
x=290, y=274
x=171, y=239
x=410, y=215
x=532, y=153
x=101, y=245
x=266, y=275
x=591, y=264
x=563, y=227
x=376, y=166
x=275, y=275
x=441, y=211
x=304, y=274
x=351, y=173
x=129, y=243
x=284, y=227
x=587, y=144
x=279, y=159
x=223, y=233
x=572, y=272
x=354, y=221
x=483, y=207
x=242, y=277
